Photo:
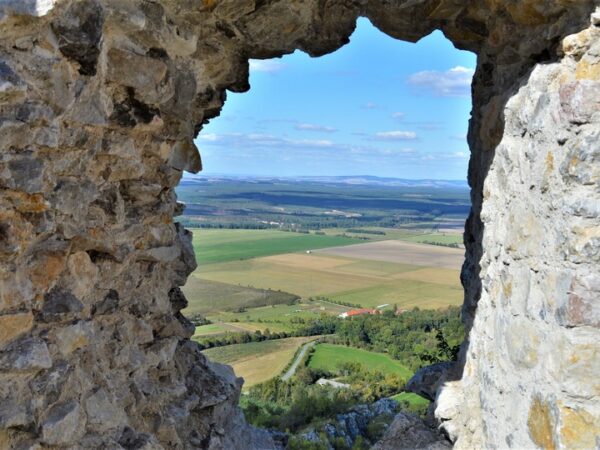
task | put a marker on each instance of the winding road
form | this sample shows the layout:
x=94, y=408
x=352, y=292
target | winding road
x=292, y=370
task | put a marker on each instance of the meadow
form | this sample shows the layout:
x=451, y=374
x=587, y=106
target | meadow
x=410, y=401
x=214, y=246
x=205, y=296
x=343, y=279
x=257, y=362
x=329, y=357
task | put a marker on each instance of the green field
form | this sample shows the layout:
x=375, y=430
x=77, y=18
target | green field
x=215, y=329
x=328, y=357
x=213, y=246
x=406, y=294
x=407, y=235
x=358, y=281
x=257, y=362
x=205, y=296
x=413, y=402
x=410, y=398
x=280, y=316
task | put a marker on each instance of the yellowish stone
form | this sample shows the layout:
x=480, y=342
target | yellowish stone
x=541, y=424
x=14, y=325
x=579, y=429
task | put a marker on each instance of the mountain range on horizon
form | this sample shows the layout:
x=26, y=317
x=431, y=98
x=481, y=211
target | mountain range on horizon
x=370, y=180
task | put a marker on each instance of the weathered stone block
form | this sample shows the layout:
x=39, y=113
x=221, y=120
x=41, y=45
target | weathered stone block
x=582, y=303
x=14, y=325
x=63, y=424
x=25, y=355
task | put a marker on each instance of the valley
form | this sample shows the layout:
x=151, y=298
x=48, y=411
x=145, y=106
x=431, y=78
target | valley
x=277, y=270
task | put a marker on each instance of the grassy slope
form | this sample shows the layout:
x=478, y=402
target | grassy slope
x=205, y=296
x=215, y=329
x=257, y=361
x=411, y=399
x=213, y=246
x=329, y=357
x=281, y=314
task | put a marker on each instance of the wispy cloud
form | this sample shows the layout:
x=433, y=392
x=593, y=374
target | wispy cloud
x=429, y=126
x=457, y=137
x=261, y=140
x=266, y=65
x=445, y=156
x=267, y=147
x=371, y=105
x=455, y=82
x=316, y=128
x=396, y=136
x=398, y=116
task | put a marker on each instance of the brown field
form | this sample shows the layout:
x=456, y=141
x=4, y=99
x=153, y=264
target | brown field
x=431, y=275
x=401, y=252
x=257, y=362
x=366, y=282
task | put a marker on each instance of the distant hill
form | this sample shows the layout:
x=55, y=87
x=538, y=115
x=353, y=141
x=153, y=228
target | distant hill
x=362, y=180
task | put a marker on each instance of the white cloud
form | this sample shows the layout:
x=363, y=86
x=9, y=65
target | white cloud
x=259, y=140
x=212, y=137
x=317, y=128
x=371, y=105
x=312, y=143
x=445, y=156
x=396, y=135
x=455, y=82
x=265, y=65
x=458, y=137
x=398, y=115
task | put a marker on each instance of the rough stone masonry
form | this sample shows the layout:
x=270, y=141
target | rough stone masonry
x=100, y=101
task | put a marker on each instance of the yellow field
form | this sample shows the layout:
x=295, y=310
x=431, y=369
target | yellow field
x=401, y=252
x=361, y=281
x=257, y=362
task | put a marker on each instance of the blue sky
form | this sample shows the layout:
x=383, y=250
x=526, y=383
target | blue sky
x=377, y=106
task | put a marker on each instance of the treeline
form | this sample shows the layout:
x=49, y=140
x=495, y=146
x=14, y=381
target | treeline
x=362, y=231
x=296, y=403
x=301, y=221
x=443, y=244
x=336, y=302
x=322, y=326
x=291, y=405
x=417, y=338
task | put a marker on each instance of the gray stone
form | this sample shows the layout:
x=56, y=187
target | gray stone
x=59, y=305
x=25, y=355
x=14, y=414
x=63, y=424
x=408, y=432
x=425, y=381
x=103, y=414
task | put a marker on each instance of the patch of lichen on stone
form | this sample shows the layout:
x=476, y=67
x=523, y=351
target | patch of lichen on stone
x=587, y=71
x=541, y=424
x=550, y=162
x=210, y=4
x=579, y=429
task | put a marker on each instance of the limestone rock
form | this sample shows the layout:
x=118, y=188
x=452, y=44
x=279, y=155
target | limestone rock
x=425, y=381
x=409, y=432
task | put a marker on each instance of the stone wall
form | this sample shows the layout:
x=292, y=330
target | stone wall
x=99, y=103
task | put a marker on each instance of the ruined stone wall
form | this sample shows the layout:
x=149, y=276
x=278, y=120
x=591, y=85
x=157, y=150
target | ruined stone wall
x=99, y=103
